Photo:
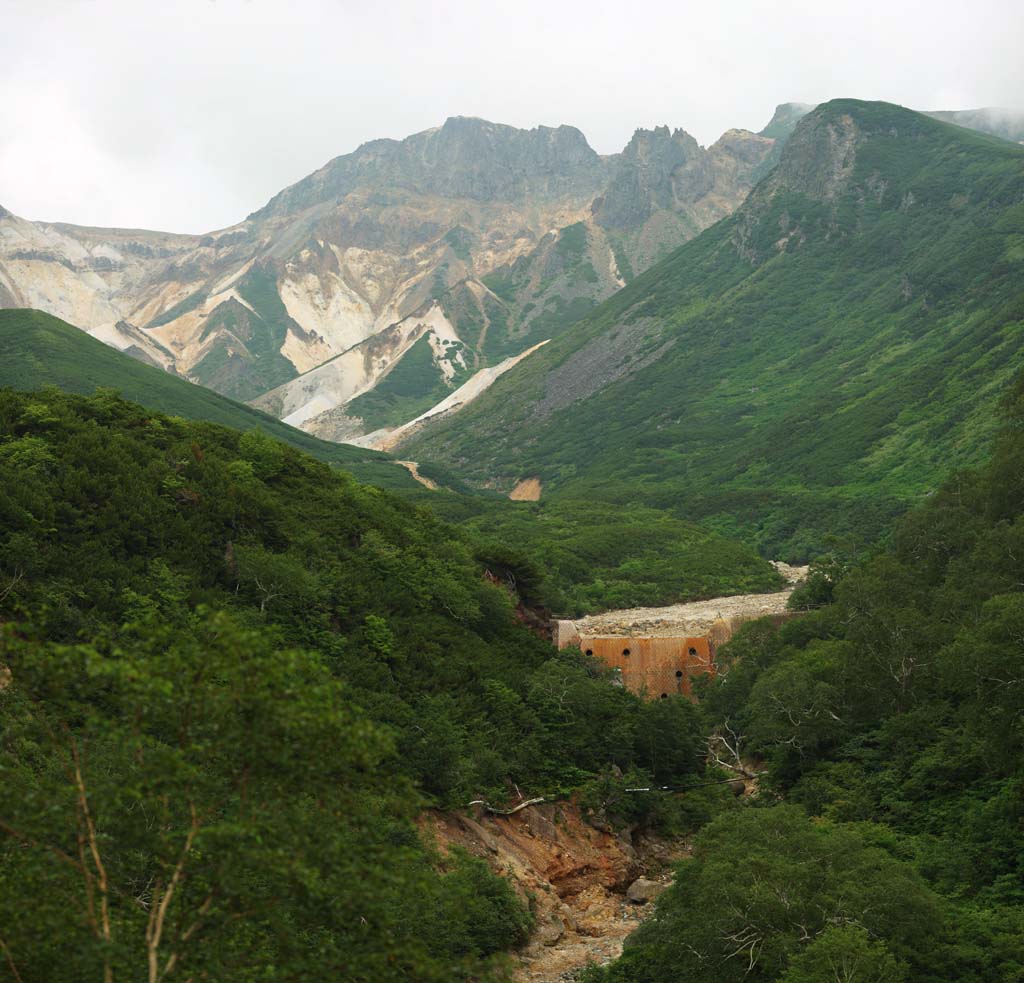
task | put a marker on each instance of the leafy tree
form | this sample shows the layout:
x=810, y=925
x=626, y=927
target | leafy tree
x=207, y=807
x=766, y=885
x=844, y=954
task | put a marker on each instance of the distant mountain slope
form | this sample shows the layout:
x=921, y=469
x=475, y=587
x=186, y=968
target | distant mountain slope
x=805, y=367
x=37, y=350
x=510, y=234
x=592, y=557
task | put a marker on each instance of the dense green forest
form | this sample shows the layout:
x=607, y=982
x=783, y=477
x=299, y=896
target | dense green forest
x=591, y=556
x=232, y=675
x=887, y=843
x=808, y=367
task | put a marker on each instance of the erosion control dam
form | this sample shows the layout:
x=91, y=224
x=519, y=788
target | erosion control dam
x=657, y=651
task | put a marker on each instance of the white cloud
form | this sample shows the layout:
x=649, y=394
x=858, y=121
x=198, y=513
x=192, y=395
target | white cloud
x=190, y=114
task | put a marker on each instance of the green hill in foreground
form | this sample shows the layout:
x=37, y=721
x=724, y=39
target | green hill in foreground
x=809, y=366
x=37, y=349
x=235, y=676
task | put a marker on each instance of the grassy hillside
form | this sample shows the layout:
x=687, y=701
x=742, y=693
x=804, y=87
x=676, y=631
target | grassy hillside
x=37, y=349
x=808, y=366
x=592, y=556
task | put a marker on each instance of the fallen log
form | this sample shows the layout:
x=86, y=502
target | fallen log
x=505, y=812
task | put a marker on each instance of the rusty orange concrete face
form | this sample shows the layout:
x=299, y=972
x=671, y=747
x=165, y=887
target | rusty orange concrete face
x=653, y=667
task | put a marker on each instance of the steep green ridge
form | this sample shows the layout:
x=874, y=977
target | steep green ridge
x=37, y=349
x=246, y=358
x=806, y=367
x=888, y=727
x=231, y=677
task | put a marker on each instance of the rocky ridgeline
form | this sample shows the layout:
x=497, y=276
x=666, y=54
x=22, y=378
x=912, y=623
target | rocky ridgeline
x=510, y=234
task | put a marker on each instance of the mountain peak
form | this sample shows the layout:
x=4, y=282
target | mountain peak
x=659, y=146
x=819, y=156
x=464, y=157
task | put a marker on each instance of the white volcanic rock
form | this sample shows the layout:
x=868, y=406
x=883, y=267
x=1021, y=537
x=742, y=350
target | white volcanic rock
x=346, y=376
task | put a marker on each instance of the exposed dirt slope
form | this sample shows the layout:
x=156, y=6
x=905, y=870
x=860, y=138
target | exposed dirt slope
x=575, y=875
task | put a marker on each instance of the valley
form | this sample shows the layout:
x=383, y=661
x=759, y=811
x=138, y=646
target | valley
x=385, y=590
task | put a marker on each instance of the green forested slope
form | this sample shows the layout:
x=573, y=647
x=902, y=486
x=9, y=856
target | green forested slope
x=229, y=677
x=808, y=366
x=37, y=349
x=587, y=558
x=888, y=729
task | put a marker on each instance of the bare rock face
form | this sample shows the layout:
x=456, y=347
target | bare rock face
x=643, y=177
x=510, y=235
x=466, y=158
x=665, y=189
x=819, y=157
x=574, y=875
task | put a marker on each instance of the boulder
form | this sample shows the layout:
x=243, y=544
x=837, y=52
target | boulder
x=642, y=890
x=550, y=930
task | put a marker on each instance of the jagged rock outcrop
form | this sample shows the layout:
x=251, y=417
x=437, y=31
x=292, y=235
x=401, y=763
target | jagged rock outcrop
x=464, y=158
x=507, y=234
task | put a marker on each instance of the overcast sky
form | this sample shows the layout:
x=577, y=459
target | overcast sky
x=187, y=115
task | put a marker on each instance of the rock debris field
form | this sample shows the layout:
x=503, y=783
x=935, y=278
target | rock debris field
x=694, y=618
